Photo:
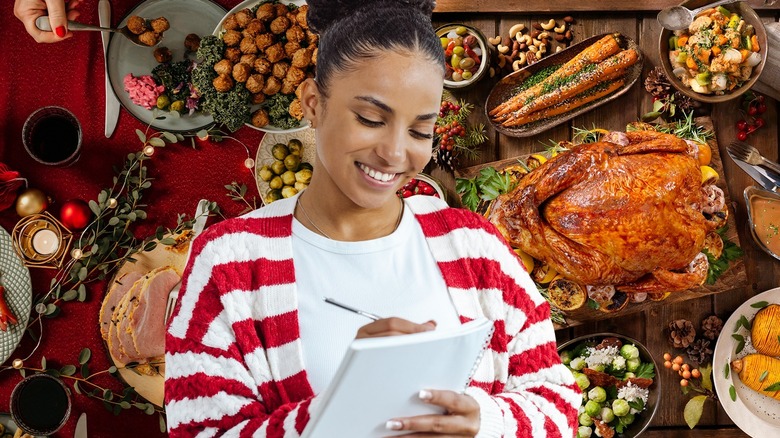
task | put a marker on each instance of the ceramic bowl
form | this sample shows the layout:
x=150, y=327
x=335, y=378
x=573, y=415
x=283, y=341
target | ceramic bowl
x=750, y=17
x=643, y=419
x=484, y=49
x=764, y=229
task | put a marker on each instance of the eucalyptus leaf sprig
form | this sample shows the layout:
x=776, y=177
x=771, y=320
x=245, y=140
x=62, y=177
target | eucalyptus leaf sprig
x=237, y=192
x=83, y=382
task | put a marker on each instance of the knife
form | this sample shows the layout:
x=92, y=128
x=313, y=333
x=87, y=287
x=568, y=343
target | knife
x=112, y=103
x=766, y=178
x=81, y=427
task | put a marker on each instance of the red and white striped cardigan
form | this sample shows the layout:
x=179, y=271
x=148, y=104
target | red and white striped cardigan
x=234, y=364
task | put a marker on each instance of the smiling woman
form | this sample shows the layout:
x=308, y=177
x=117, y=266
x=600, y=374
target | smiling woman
x=251, y=343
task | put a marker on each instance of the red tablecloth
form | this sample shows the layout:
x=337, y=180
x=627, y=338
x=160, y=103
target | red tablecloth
x=70, y=74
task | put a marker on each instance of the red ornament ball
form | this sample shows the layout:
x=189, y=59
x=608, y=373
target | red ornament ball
x=75, y=214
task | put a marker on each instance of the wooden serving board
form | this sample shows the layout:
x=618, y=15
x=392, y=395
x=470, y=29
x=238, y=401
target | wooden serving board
x=735, y=277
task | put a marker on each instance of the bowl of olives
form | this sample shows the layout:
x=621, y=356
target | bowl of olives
x=283, y=167
x=466, y=54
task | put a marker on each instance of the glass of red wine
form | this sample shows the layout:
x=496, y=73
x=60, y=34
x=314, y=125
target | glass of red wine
x=52, y=136
x=40, y=404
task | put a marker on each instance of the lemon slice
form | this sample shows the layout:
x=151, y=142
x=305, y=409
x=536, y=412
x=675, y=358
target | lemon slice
x=528, y=261
x=708, y=175
x=705, y=154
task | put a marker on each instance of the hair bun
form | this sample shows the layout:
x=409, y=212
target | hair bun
x=323, y=13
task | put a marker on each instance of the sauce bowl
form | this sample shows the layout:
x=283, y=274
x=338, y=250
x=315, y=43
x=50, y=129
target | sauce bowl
x=763, y=209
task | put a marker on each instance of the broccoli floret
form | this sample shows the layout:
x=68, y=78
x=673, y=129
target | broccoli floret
x=278, y=106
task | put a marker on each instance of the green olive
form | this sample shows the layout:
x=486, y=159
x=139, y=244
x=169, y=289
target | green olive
x=461, y=30
x=291, y=162
x=265, y=173
x=444, y=42
x=288, y=178
x=288, y=191
x=455, y=61
x=278, y=167
x=163, y=101
x=276, y=182
x=466, y=75
x=466, y=63
x=273, y=195
x=303, y=176
x=177, y=106
x=458, y=50
x=279, y=151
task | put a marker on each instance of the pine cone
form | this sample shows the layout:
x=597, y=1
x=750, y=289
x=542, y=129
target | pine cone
x=656, y=83
x=685, y=103
x=711, y=327
x=681, y=333
x=445, y=159
x=699, y=352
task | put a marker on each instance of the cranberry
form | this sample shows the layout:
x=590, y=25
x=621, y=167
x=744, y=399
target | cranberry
x=741, y=135
x=761, y=108
x=752, y=110
x=742, y=125
x=759, y=122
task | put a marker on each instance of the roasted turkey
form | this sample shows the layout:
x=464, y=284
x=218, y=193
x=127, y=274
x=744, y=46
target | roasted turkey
x=629, y=212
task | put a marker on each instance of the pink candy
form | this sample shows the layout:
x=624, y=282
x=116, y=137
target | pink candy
x=143, y=90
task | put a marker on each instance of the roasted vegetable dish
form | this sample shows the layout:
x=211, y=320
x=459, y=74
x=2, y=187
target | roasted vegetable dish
x=716, y=54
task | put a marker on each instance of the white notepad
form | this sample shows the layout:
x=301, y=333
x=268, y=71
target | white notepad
x=379, y=379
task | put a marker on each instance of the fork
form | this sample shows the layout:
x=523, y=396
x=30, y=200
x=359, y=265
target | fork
x=751, y=155
x=172, y=297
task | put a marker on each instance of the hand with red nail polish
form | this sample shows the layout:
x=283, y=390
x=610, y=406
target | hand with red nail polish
x=59, y=12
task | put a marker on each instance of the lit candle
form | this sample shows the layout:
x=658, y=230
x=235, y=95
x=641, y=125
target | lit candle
x=45, y=242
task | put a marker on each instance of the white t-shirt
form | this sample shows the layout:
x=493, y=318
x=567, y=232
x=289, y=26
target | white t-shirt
x=395, y=275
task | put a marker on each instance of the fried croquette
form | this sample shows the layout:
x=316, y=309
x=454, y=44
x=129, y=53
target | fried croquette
x=232, y=38
x=281, y=9
x=192, y=42
x=223, y=83
x=254, y=28
x=248, y=59
x=260, y=118
x=241, y=72
x=266, y=12
x=312, y=38
x=248, y=45
x=295, y=75
x=160, y=24
x=255, y=83
x=136, y=25
x=258, y=98
x=231, y=23
x=296, y=109
x=275, y=53
x=162, y=54
x=279, y=25
x=295, y=34
x=279, y=70
x=301, y=17
x=272, y=86
x=223, y=67
x=232, y=54
x=287, y=87
x=301, y=58
x=262, y=66
x=243, y=17
x=290, y=48
x=264, y=41
x=149, y=38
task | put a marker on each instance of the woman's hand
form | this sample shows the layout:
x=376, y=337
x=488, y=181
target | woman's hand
x=59, y=13
x=461, y=418
x=393, y=327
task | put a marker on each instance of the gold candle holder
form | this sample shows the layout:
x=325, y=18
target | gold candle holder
x=41, y=241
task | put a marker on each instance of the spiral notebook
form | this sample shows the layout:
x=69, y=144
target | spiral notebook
x=379, y=379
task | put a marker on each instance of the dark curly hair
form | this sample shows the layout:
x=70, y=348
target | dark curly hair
x=355, y=30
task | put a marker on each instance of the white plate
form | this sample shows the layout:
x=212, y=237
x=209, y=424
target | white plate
x=264, y=155
x=756, y=414
x=218, y=30
x=185, y=17
x=18, y=294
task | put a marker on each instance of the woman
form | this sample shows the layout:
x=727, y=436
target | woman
x=59, y=13
x=251, y=342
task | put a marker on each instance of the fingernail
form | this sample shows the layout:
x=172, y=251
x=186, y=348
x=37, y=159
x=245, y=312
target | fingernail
x=393, y=425
x=60, y=31
x=424, y=394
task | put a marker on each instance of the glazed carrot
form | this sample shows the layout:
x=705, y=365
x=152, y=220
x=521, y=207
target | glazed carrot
x=596, y=52
x=575, y=102
x=588, y=77
x=754, y=44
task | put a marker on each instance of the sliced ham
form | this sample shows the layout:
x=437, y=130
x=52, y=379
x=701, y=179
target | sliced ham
x=146, y=324
x=116, y=342
x=114, y=295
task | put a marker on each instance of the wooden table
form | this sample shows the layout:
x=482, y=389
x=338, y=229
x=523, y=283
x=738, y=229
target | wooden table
x=637, y=21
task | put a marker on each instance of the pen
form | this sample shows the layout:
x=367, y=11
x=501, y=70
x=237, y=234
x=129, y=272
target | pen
x=352, y=309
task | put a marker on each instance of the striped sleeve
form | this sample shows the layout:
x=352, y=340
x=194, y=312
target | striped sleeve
x=220, y=377
x=540, y=397
x=522, y=387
